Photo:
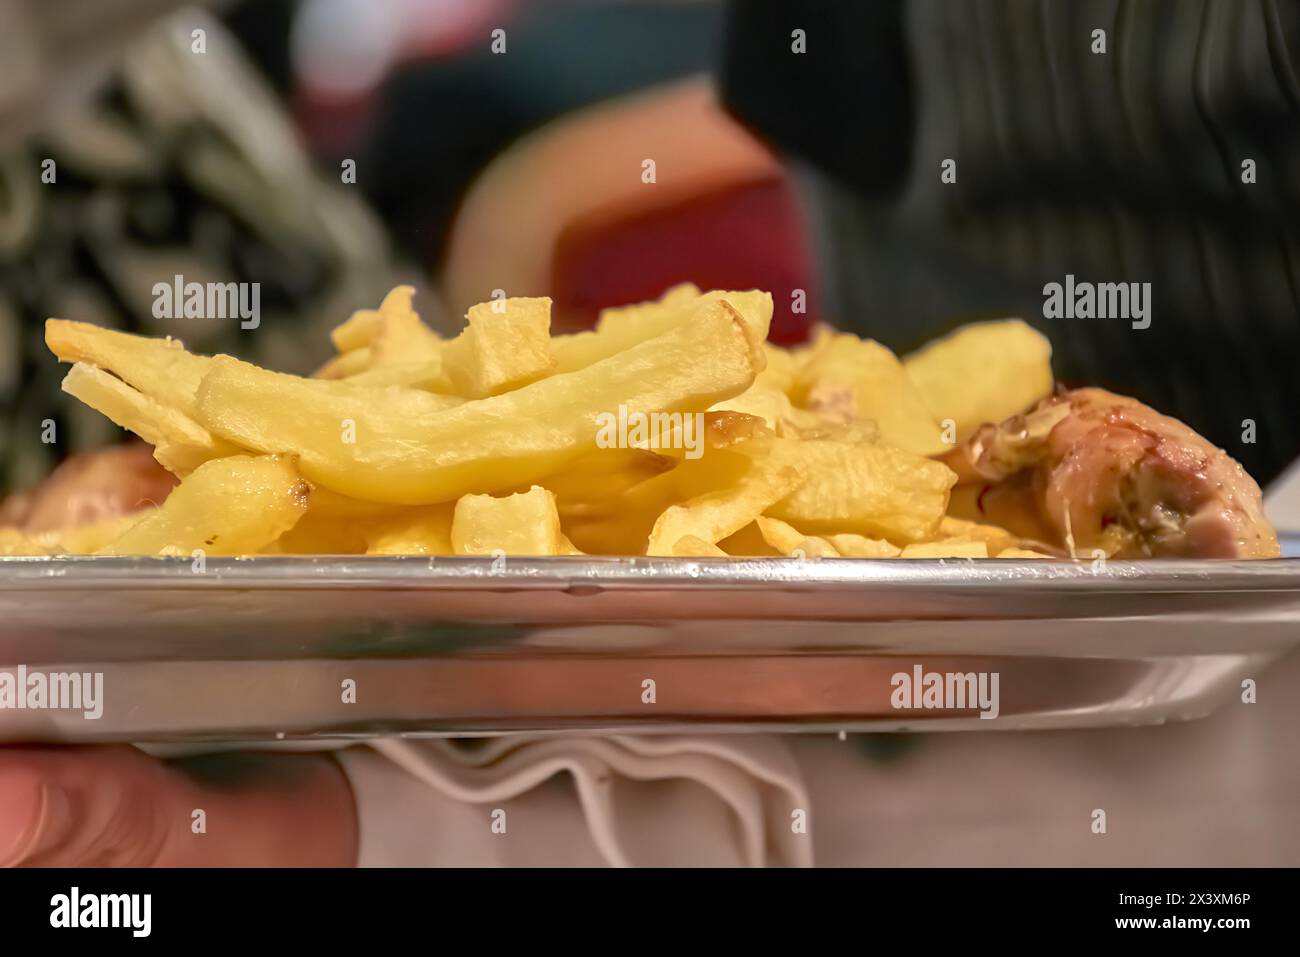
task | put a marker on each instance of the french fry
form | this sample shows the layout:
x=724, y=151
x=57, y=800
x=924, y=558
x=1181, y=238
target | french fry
x=622, y=328
x=13, y=541
x=232, y=506
x=983, y=372
x=318, y=533
x=505, y=345
x=412, y=531
x=852, y=378
x=180, y=444
x=946, y=549
x=688, y=546
x=405, y=456
x=997, y=539
x=346, y=365
x=672, y=428
x=782, y=536
x=526, y=523
x=429, y=375
x=775, y=409
x=782, y=369
x=859, y=546
x=400, y=336
x=714, y=516
x=89, y=537
x=357, y=331
x=872, y=490
x=159, y=368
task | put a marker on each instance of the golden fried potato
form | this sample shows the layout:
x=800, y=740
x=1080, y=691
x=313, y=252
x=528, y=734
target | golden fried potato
x=14, y=541
x=89, y=537
x=180, y=444
x=959, y=529
x=622, y=328
x=233, y=506
x=983, y=372
x=403, y=455
x=715, y=515
x=1021, y=553
x=851, y=378
x=425, y=530
x=347, y=365
x=859, y=546
x=688, y=546
x=506, y=345
x=872, y=490
x=526, y=523
x=160, y=368
x=946, y=549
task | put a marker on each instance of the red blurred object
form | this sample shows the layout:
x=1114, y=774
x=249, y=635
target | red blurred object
x=744, y=236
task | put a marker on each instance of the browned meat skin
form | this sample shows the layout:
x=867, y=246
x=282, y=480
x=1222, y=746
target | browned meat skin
x=89, y=487
x=1107, y=472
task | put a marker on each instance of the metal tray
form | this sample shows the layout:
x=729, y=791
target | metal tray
x=261, y=648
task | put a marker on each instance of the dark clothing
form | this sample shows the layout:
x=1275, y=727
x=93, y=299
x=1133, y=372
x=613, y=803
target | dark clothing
x=1116, y=166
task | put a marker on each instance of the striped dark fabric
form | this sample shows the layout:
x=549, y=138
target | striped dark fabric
x=1119, y=166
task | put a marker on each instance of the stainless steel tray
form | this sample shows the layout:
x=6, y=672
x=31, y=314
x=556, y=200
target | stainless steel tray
x=260, y=648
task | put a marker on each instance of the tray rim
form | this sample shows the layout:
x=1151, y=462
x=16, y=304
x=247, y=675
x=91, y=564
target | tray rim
x=367, y=572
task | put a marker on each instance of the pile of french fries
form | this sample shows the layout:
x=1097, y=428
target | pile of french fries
x=501, y=440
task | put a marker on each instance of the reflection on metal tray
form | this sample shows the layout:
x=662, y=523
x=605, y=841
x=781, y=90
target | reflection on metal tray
x=263, y=648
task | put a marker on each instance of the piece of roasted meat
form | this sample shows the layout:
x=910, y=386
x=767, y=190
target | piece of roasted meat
x=1089, y=470
x=89, y=487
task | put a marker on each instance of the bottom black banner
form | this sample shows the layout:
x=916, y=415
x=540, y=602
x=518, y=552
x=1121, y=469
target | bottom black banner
x=335, y=907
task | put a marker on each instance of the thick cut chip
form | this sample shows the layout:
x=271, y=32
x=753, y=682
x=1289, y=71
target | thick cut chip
x=859, y=546
x=603, y=475
x=647, y=314
x=408, y=457
x=425, y=530
x=782, y=536
x=15, y=542
x=180, y=444
x=233, y=506
x=775, y=409
x=160, y=368
x=506, y=345
x=400, y=336
x=688, y=546
x=346, y=365
x=319, y=533
x=716, y=515
x=357, y=331
x=782, y=368
x=1021, y=553
x=429, y=375
x=622, y=328
x=89, y=537
x=946, y=549
x=983, y=372
x=852, y=378
x=526, y=523
x=997, y=539
x=872, y=490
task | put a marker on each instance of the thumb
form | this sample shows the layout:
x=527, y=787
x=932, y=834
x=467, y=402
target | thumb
x=117, y=807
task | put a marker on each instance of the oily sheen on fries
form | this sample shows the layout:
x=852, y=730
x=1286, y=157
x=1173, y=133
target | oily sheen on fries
x=407, y=457
x=672, y=428
x=232, y=506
